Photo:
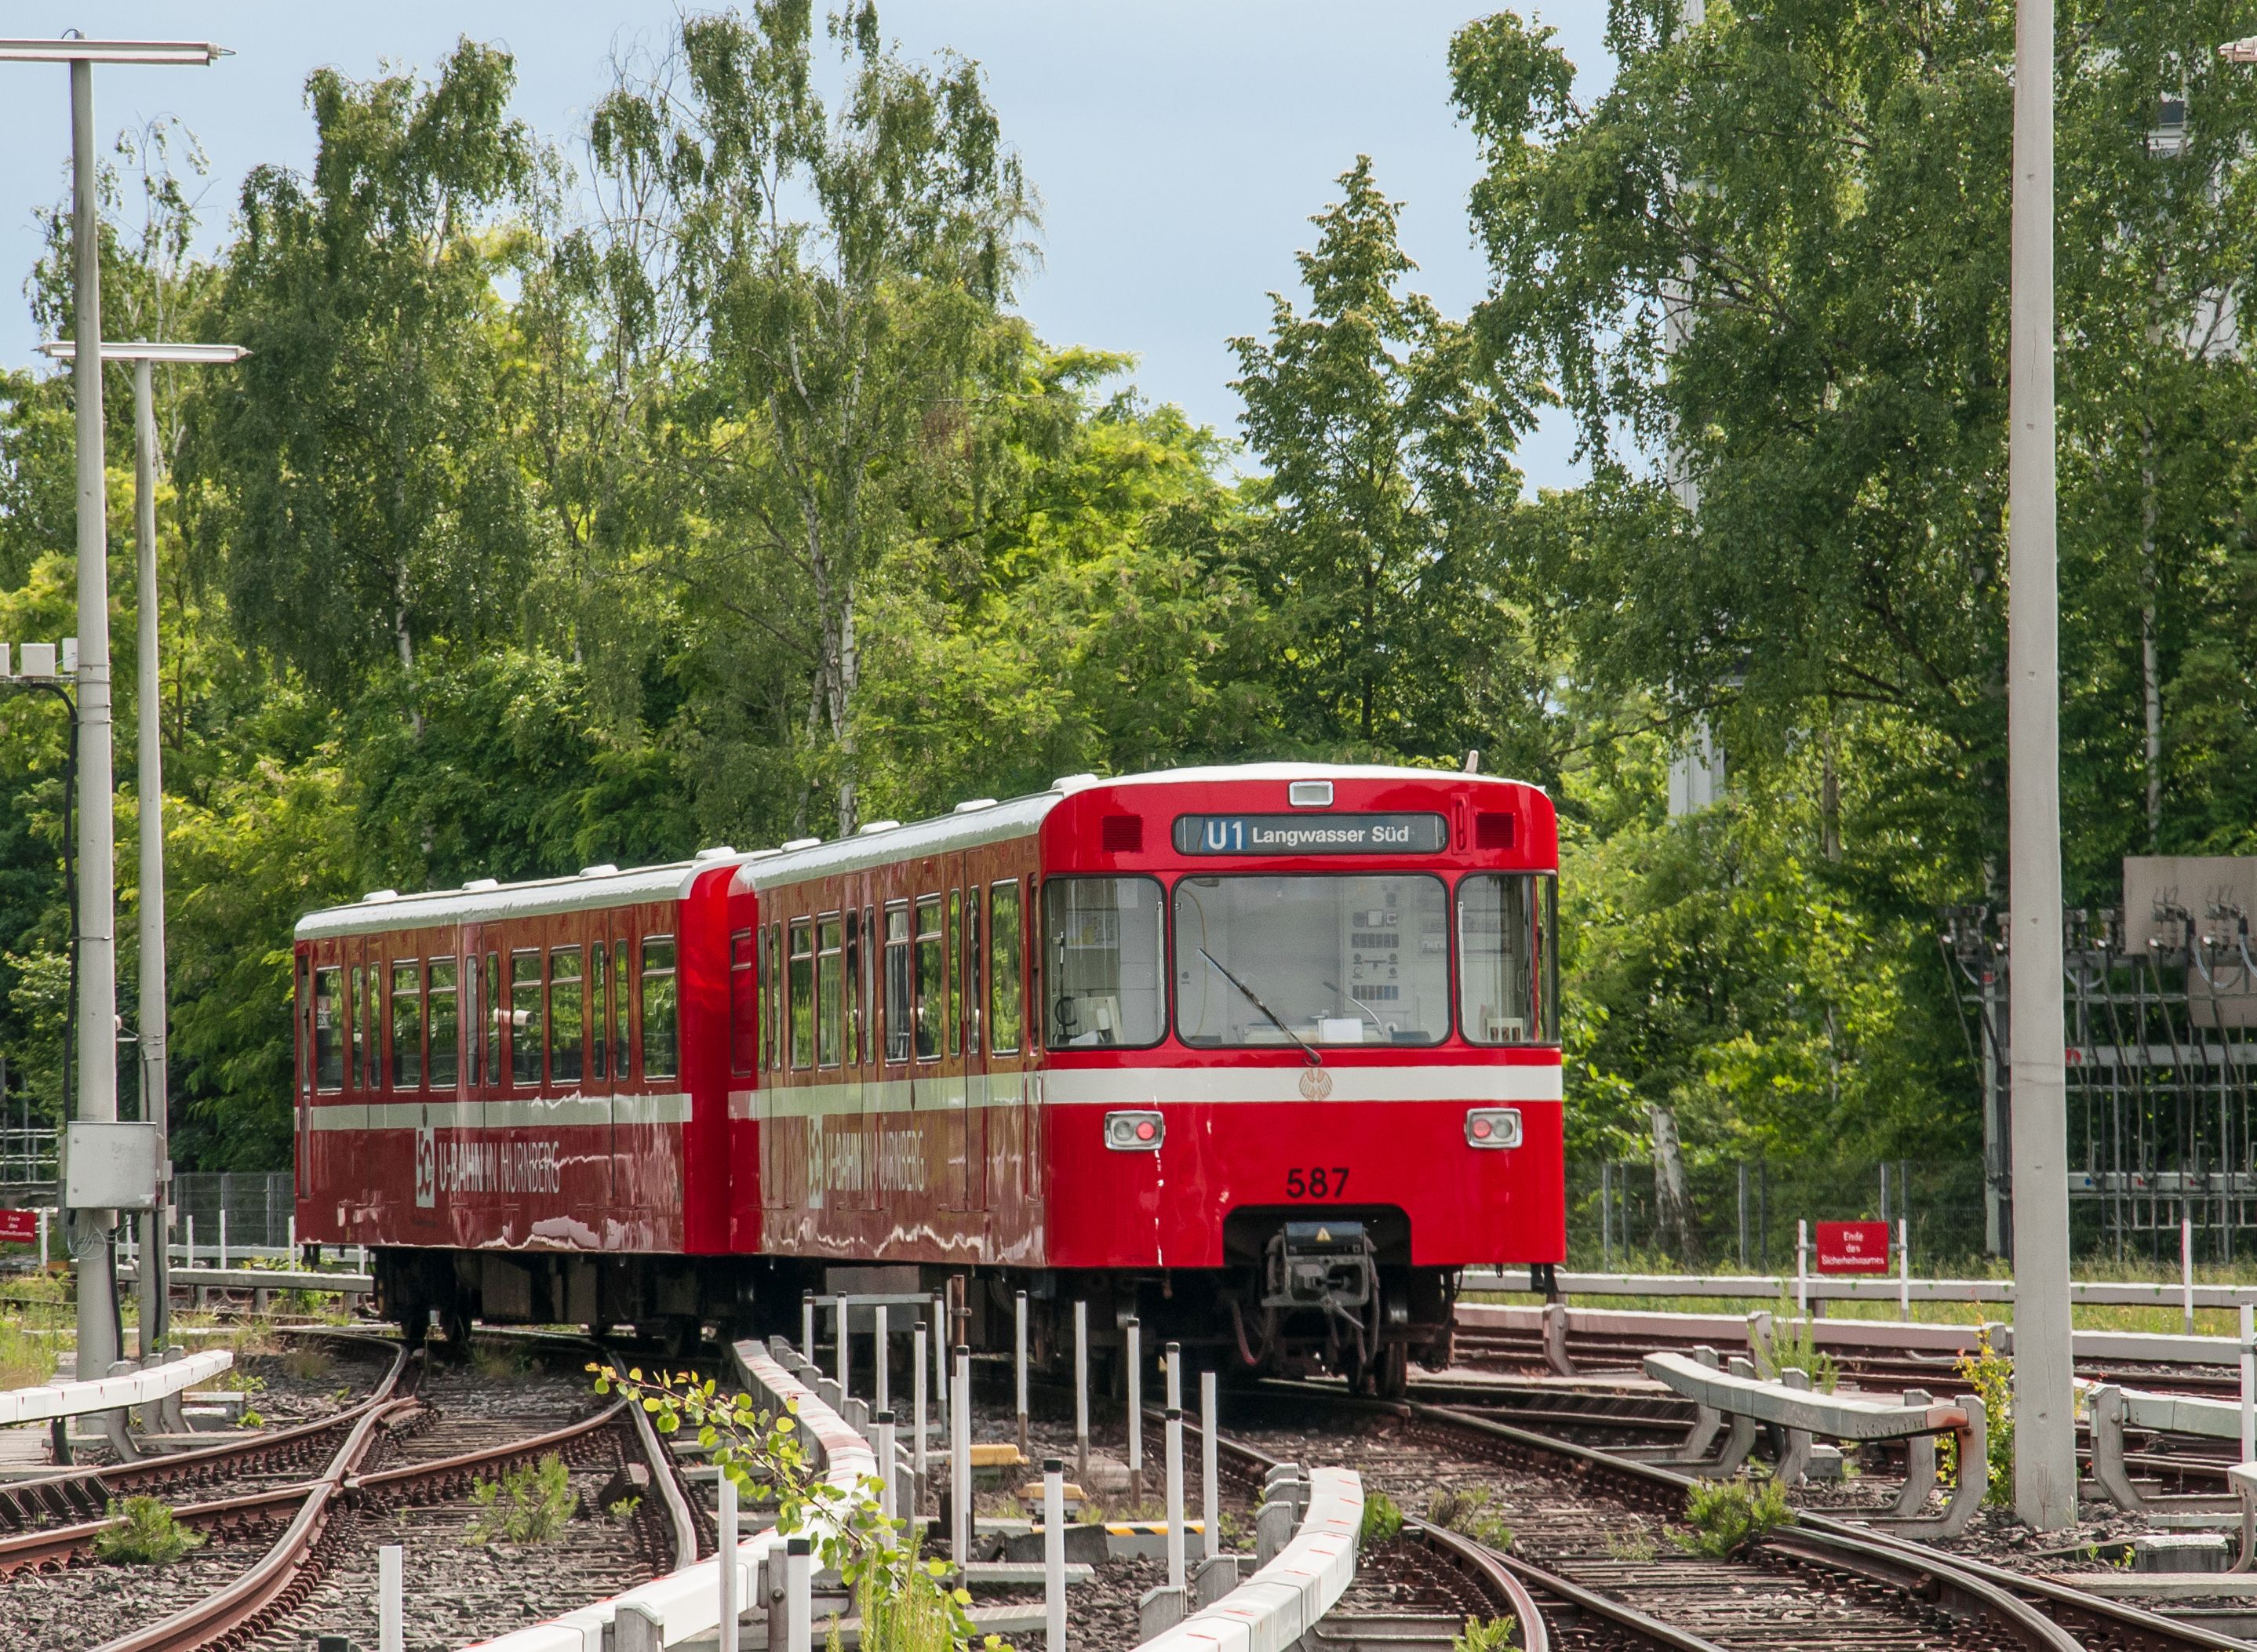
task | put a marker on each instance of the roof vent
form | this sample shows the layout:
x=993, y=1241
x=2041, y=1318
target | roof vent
x=1493, y=831
x=1072, y=783
x=801, y=843
x=973, y=805
x=381, y=895
x=605, y=870
x=716, y=852
x=1121, y=835
x=483, y=883
x=1310, y=793
x=869, y=826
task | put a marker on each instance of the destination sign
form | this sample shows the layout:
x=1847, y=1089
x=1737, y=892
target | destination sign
x=1311, y=834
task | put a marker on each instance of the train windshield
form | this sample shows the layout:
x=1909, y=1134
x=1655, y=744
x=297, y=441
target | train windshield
x=1314, y=959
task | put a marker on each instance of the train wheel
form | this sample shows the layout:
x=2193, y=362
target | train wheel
x=1392, y=1371
x=454, y=1327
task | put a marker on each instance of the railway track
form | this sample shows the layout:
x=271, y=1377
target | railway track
x=394, y=1468
x=1585, y=1519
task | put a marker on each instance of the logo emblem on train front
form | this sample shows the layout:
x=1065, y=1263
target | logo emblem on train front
x=1316, y=1084
x=426, y=1168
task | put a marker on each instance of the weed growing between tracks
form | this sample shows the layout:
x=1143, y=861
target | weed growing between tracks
x=1728, y=1515
x=146, y=1534
x=531, y=1503
x=905, y=1603
x=1466, y=1511
x=1794, y=1345
x=1382, y=1520
x=1992, y=1375
x=1490, y=1634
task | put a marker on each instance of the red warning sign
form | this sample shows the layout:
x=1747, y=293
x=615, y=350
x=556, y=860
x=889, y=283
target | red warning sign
x=1853, y=1247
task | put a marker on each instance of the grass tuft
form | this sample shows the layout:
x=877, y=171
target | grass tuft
x=1492, y=1635
x=146, y=1534
x=531, y=1503
x=1467, y=1510
x=1382, y=1520
x=1728, y=1516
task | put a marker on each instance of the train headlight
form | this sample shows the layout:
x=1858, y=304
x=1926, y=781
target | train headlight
x=1139, y=1131
x=1493, y=1127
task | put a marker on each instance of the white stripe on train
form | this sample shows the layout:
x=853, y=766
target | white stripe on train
x=1086, y=1087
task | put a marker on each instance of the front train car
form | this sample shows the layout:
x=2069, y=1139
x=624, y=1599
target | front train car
x=1300, y=1052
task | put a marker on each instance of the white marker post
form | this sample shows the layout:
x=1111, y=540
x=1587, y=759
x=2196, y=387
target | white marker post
x=1210, y=1505
x=191, y=1241
x=222, y=1236
x=940, y=1351
x=840, y=1304
x=1904, y=1269
x=1019, y=1355
x=807, y=1325
x=2248, y=1388
x=880, y=1400
x=2186, y=1269
x=1054, y=1554
x=725, y=1526
x=959, y=1463
x=916, y=1417
x=1171, y=1362
x=882, y=1425
x=1081, y=1395
x=798, y=1594
x=1135, y=1410
x=1802, y=1269
x=390, y=1600
x=1175, y=1497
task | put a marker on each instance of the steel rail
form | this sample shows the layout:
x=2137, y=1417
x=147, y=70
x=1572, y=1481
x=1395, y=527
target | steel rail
x=286, y=1571
x=2127, y=1628
x=84, y=1491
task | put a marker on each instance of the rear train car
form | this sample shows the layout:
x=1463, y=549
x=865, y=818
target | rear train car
x=1263, y=1054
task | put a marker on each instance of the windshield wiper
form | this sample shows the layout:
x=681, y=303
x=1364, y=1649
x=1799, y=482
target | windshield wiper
x=1307, y=1048
x=1344, y=999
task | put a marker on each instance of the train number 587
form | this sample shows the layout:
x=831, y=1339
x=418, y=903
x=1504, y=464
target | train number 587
x=1317, y=1184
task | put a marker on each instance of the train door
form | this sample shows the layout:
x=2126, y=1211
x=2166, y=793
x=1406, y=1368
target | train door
x=617, y=935
x=960, y=1178
x=770, y=1098
x=605, y=1052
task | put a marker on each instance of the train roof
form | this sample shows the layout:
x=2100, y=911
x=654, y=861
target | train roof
x=986, y=821
x=972, y=823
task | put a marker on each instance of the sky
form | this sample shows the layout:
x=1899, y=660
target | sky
x=1179, y=147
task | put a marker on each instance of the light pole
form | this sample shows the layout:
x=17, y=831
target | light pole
x=2044, y=1421
x=154, y=1017
x=98, y=1338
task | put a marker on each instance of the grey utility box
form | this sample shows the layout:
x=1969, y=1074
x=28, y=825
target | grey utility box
x=110, y=1166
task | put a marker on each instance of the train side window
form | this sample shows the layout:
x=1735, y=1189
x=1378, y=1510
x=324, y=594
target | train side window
x=525, y=1028
x=853, y=988
x=899, y=994
x=799, y=985
x=659, y=1054
x=971, y=977
x=329, y=1027
x=932, y=979
x=830, y=993
x=407, y=1025
x=497, y=1017
x=1102, y=948
x=743, y=1016
x=473, y=1027
x=599, y=1012
x=446, y=1029
x=954, y=971
x=771, y=1017
x=869, y=984
x=1006, y=958
x=355, y=995
x=566, y=1028
x=1505, y=972
x=620, y=1004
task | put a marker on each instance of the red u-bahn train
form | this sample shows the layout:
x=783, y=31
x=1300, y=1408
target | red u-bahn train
x=1265, y=1053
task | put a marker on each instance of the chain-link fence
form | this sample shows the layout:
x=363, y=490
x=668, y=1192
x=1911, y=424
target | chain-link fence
x=1743, y=1212
x=257, y=1203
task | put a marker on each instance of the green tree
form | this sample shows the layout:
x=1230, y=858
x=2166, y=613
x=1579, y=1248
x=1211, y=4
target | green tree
x=1387, y=435
x=357, y=484
x=848, y=270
